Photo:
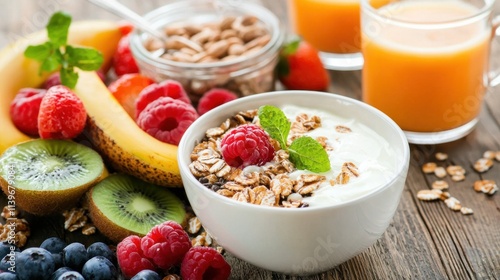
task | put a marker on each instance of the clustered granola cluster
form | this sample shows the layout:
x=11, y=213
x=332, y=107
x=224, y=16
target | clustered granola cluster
x=271, y=185
x=440, y=187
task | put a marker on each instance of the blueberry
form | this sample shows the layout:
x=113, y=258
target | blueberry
x=75, y=255
x=34, y=263
x=58, y=259
x=8, y=262
x=99, y=268
x=101, y=249
x=59, y=272
x=6, y=248
x=53, y=244
x=71, y=275
x=146, y=274
x=8, y=276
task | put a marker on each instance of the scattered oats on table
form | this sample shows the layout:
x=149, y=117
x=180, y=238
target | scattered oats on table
x=441, y=156
x=429, y=167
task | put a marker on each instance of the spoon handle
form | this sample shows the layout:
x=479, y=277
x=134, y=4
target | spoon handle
x=124, y=12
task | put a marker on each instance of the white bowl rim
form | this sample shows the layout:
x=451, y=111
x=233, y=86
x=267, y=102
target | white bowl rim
x=183, y=165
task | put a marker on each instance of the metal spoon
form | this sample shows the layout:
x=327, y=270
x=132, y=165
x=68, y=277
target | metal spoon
x=124, y=12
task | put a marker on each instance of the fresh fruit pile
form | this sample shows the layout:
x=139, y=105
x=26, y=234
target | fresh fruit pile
x=166, y=248
x=54, y=259
x=80, y=111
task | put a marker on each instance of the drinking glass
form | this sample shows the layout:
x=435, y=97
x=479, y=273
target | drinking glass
x=331, y=26
x=426, y=64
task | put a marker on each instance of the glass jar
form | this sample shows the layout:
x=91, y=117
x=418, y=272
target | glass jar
x=244, y=75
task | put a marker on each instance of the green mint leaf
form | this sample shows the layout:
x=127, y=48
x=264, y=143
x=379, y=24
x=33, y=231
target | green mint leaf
x=39, y=52
x=57, y=28
x=275, y=123
x=307, y=153
x=50, y=64
x=68, y=77
x=86, y=59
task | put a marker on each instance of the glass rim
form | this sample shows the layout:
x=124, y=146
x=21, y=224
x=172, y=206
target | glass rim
x=482, y=13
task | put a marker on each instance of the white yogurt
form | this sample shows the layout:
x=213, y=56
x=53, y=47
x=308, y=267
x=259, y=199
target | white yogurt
x=362, y=146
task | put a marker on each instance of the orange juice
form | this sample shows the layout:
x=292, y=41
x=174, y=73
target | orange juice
x=329, y=25
x=427, y=79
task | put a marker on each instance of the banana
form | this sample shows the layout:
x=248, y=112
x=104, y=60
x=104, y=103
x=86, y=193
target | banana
x=118, y=138
x=109, y=128
x=17, y=71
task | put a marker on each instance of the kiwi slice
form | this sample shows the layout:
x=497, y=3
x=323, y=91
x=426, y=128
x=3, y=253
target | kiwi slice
x=122, y=205
x=47, y=176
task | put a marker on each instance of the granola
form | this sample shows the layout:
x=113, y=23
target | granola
x=277, y=183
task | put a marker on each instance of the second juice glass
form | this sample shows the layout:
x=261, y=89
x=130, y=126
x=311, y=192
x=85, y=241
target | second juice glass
x=331, y=26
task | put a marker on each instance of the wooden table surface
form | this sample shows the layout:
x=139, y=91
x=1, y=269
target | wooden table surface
x=426, y=240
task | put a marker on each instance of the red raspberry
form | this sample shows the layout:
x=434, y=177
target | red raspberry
x=152, y=92
x=246, y=145
x=62, y=114
x=204, y=263
x=123, y=60
x=130, y=257
x=167, y=119
x=213, y=98
x=24, y=110
x=166, y=244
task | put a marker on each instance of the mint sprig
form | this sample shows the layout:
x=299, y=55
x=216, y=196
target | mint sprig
x=305, y=152
x=56, y=54
x=275, y=123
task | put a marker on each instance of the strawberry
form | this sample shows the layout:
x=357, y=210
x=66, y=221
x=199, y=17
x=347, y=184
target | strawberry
x=123, y=60
x=300, y=67
x=126, y=89
x=125, y=27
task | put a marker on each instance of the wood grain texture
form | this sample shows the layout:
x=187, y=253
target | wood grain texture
x=425, y=240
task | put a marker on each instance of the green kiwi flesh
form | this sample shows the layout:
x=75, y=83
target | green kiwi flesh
x=121, y=205
x=47, y=176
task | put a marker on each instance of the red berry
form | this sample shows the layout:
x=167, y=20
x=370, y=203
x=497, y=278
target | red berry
x=62, y=114
x=167, y=119
x=125, y=27
x=213, y=98
x=126, y=89
x=166, y=244
x=123, y=60
x=53, y=80
x=246, y=145
x=301, y=68
x=24, y=110
x=168, y=88
x=204, y=263
x=130, y=257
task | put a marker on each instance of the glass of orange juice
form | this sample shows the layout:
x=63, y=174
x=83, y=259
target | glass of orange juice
x=331, y=26
x=426, y=64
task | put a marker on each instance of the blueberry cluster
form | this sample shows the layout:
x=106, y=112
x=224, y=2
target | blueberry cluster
x=56, y=260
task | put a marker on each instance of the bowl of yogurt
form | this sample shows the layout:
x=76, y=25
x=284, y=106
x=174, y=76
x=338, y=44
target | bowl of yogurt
x=280, y=215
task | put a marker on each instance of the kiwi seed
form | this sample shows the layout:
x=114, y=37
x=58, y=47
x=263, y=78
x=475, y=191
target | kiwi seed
x=47, y=176
x=121, y=205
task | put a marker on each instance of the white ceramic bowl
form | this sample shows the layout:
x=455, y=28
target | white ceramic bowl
x=297, y=241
